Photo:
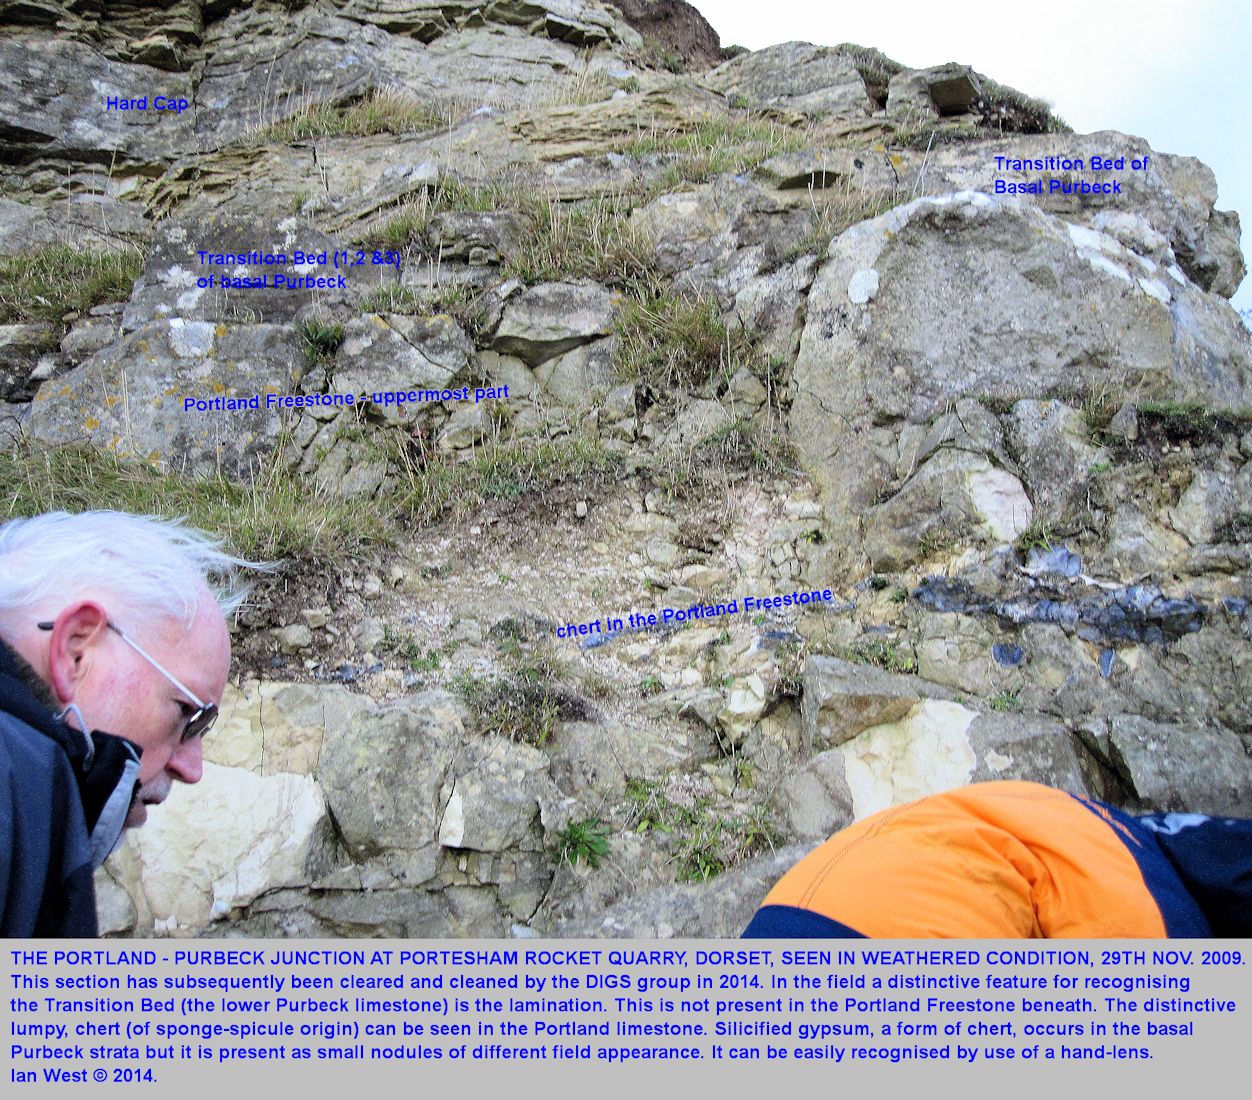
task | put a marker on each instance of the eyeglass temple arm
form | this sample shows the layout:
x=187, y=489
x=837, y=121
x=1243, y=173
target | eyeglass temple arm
x=150, y=659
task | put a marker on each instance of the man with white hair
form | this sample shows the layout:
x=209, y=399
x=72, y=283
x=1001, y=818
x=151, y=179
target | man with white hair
x=114, y=654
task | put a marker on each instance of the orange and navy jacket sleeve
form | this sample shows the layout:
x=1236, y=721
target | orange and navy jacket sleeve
x=1009, y=859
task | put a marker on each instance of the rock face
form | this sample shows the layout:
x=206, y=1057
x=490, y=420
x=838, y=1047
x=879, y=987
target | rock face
x=553, y=318
x=881, y=331
x=432, y=817
x=242, y=836
x=130, y=397
x=796, y=76
x=682, y=29
x=631, y=327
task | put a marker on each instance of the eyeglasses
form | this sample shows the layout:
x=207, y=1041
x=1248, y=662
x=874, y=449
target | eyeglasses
x=201, y=719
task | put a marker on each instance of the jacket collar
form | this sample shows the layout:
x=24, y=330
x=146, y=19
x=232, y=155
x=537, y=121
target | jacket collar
x=105, y=766
x=23, y=694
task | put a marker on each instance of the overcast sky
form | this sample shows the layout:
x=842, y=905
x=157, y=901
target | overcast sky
x=1177, y=72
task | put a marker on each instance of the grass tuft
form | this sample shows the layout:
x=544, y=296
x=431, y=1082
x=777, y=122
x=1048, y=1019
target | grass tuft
x=724, y=144
x=668, y=342
x=43, y=284
x=406, y=225
x=1099, y=405
x=706, y=842
x=1038, y=535
x=526, y=702
x=1004, y=702
x=321, y=339
x=837, y=209
x=885, y=653
x=1011, y=111
x=383, y=112
x=739, y=447
x=460, y=301
x=875, y=67
x=592, y=239
x=588, y=239
x=438, y=485
x=512, y=707
x=278, y=515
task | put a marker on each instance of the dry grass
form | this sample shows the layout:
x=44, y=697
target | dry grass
x=671, y=342
x=277, y=515
x=437, y=485
x=44, y=284
x=383, y=112
x=406, y=225
x=592, y=239
x=710, y=467
x=589, y=239
x=836, y=209
x=716, y=146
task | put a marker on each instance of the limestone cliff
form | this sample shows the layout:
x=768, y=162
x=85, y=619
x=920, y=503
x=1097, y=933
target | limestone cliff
x=672, y=329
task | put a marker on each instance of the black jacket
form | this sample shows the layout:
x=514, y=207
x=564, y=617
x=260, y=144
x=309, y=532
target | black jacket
x=63, y=800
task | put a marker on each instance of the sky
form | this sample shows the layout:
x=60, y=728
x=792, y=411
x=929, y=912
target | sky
x=1176, y=72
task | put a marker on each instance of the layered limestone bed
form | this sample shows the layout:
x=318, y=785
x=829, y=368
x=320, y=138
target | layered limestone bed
x=755, y=324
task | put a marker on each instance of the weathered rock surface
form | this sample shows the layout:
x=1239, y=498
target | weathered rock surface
x=20, y=349
x=495, y=805
x=879, y=334
x=1170, y=767
x=129, y=397
x=841, y=699
x=954, y=492
x=553, y=318
x=950, y=89
x=239, y=836
x=796, y=76
x=383, y=772
x=720, y=909
x=55, y=94
x=267, y=727
x=384, y=353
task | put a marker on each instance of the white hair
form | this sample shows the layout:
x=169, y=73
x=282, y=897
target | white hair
x=156, y=568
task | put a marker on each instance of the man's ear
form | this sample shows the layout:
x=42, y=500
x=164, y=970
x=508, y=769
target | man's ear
x=76, y=634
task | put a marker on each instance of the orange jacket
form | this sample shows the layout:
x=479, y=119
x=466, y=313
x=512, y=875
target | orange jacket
x=998, y=860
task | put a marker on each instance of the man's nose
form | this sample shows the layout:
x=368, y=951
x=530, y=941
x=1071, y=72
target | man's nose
x=187, y=761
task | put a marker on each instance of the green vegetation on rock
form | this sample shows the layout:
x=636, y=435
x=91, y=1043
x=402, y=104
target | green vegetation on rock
x=380, y=113
x=875, y=67
x=706, y=841
x=46, y=283
x=525, y=702
x=591, y=239
x=885, y=653
x=668, y=341
x=1004, y=702
x=512, y=707
x=437, y=485
x=1191, y=420
x=1037, y=536
x=405, y=225
x=277, y=515
x=1018, y=113
x=715, y=146
x=279, y=512
x=587, y=840
x=321, y=340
